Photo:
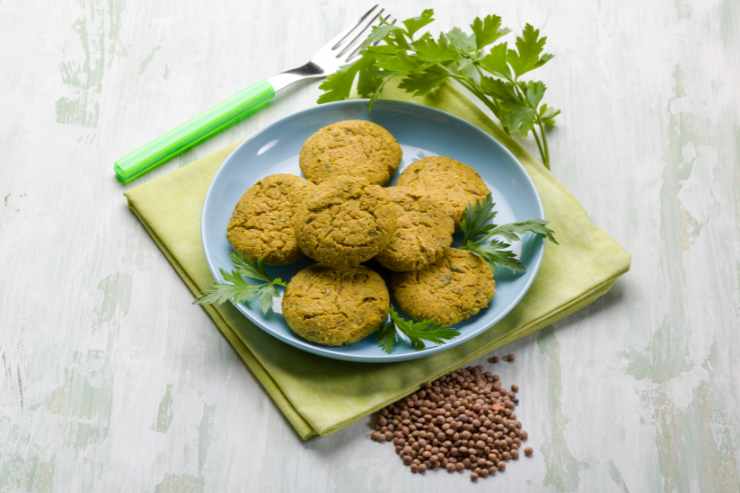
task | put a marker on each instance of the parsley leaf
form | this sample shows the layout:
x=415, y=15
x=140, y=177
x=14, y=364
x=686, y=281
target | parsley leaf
x=249, y=268
x=424, y=63
x=237, y=287
x=388, y=59
x=477, y=220
x=528, y=54
x=415, y=331
x=495, y=61
x=387, y=337
x=339, y=84
x=234, y=288
x=479, y=234
x=379, y=32
x=434, y=51
x=517, y=117
x=424, y=330
x=499, y=90
x=413, y=24
x=548, y=114
x=534, y=90
x=463, y=42
x=371, y=82
x=514, y=231
x=426, y=82
x=487, y=30
x=496, y=253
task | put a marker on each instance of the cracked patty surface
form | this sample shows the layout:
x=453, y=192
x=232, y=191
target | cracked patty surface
x=335, y=307
x=261, y=225
x=423, y=233
x=351, y=147
x=345, y=221
x=451, y=290
x=452, y=183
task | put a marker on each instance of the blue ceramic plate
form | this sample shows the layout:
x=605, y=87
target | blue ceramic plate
x=421, y=131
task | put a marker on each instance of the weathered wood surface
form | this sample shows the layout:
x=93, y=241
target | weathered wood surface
x=110, y=380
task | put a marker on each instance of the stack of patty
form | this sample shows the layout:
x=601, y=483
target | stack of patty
x=342, y=216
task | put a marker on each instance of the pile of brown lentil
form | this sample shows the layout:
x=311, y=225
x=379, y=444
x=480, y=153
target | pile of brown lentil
x=462, y=421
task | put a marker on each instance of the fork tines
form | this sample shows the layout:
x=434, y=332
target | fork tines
x=359, y=32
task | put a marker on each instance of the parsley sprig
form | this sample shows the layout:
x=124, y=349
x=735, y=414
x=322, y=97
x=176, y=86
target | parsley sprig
x=248, y=282
x=491, y=71
x=482, y=236
x=415, y=331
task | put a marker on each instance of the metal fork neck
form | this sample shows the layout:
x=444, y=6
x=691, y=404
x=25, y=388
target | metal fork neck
x=307, y=71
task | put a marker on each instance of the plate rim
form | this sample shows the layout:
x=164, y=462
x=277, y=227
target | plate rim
x=328, y=351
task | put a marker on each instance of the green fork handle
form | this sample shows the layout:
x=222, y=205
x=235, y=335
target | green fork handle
x=225, y=114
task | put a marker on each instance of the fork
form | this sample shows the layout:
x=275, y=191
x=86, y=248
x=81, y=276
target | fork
x=340, y=50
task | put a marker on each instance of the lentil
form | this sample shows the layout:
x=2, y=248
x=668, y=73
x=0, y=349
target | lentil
x=463, y=421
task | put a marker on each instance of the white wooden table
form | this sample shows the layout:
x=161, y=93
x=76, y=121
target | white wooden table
x=111, y=380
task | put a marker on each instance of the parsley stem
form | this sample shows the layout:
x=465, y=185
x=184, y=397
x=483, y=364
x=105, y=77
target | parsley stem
x=470, y=86
x=546, y=153
x=541, y=139
x=540, y=148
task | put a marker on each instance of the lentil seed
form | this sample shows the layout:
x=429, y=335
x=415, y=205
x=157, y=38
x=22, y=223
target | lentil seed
x=464, y=420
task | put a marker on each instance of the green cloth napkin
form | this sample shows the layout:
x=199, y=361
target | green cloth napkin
x=319, y=396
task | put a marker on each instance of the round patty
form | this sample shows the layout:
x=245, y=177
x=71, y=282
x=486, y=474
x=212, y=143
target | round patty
x=452, y=289
x=345, y=221
x=423, y=233
x=261, y=225
x=351, y=147
x=335, y=307
x=452, y=183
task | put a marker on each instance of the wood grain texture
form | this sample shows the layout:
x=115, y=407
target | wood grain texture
x=111, y=380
